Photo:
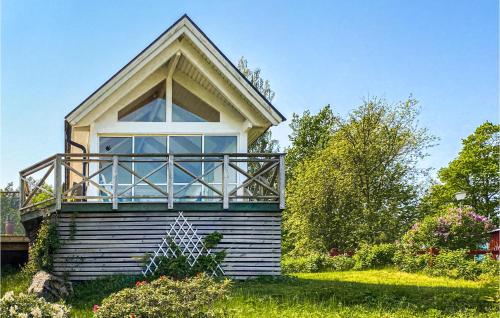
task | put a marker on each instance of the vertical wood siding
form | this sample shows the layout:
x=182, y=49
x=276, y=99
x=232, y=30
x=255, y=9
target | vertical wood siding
x=96, y=244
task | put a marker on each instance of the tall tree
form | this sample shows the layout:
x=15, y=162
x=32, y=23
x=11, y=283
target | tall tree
x=474, y=171
x=362, y=185
x=265, y=143
x=310, y=133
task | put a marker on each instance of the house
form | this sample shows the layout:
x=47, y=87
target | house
x=168, y=132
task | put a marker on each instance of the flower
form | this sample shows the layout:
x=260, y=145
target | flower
x=22, y=315
x=139, y=283
x=8, y=296
x=36, y=312
x=60, y=311
x=96, y=308
x=477, y=217
x=13, y=310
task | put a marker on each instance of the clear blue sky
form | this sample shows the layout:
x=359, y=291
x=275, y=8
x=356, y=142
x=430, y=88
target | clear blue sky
x=445, y=53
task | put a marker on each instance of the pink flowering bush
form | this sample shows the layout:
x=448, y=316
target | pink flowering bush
x=439, y=245
x=455, y=228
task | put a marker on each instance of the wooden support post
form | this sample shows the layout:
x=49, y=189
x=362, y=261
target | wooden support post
x=170, y=181
x=21, y=191
x=225, y=181
x=114, y=180
x=282, y=181
x=57, y=182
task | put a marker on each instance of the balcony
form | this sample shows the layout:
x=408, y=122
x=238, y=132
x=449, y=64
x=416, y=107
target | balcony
x=169, y=180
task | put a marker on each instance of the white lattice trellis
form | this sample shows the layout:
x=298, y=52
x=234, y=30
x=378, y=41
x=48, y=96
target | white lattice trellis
x=190, y=244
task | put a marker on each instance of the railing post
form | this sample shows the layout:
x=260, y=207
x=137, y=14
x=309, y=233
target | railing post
x=57, y=182
x=114, y=181
x=282, y=181
x=225, y=181
x=21, y=191
x=170, y=181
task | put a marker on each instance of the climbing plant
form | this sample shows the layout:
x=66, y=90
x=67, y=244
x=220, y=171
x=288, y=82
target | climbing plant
x=42, y=251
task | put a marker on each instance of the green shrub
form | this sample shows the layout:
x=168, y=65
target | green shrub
x=454, y=264
x=28, y=305
x=374, y=256
x=489, y=267
x=303, y=264
x=338, y=263
x=175, y=267
x=316, y=263
x=408, y=262
x=164, y=297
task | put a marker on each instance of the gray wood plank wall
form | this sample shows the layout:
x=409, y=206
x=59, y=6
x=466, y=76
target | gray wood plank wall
x=110, y=243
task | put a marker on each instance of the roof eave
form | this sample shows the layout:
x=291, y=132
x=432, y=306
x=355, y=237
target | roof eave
x=264, y=103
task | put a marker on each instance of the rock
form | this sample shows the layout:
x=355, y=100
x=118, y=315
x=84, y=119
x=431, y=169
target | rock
x=50, y=287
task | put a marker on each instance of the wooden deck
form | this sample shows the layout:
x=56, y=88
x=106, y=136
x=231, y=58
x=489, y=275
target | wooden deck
x=105, y=225
x=14, y=249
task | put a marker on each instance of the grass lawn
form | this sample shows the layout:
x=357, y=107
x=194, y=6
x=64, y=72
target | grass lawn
x=372, y=293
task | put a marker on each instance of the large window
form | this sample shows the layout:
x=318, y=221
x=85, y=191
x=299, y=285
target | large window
x=187, y=107
x=183, y=175
x=150, y=107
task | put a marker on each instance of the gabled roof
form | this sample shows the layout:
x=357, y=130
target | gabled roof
x=239, y=80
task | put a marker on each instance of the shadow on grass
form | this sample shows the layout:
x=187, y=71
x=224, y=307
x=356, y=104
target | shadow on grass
x=301, y=291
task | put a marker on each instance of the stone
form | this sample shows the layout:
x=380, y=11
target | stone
x=50, y=287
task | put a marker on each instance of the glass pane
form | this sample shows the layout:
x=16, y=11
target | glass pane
x=115, y=145
x=150, y=107
x=146, y=190
x=219, y=144
x=151, y=145
x=180, y=114
x=187, y=107
x=191, y=191
x=186, y=144
x=120, y=190
x=209, y=192
x=154, y=111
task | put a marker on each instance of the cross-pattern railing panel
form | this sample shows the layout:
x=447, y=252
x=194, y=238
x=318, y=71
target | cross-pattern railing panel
x=169, y=178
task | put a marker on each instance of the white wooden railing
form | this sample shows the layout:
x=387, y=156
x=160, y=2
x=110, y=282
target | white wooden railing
x=223, y=177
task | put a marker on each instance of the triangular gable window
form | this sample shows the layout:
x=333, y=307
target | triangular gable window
x=150, y=107
x=187, y=107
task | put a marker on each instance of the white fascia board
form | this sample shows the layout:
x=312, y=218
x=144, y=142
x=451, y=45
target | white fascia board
x=138, y=63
